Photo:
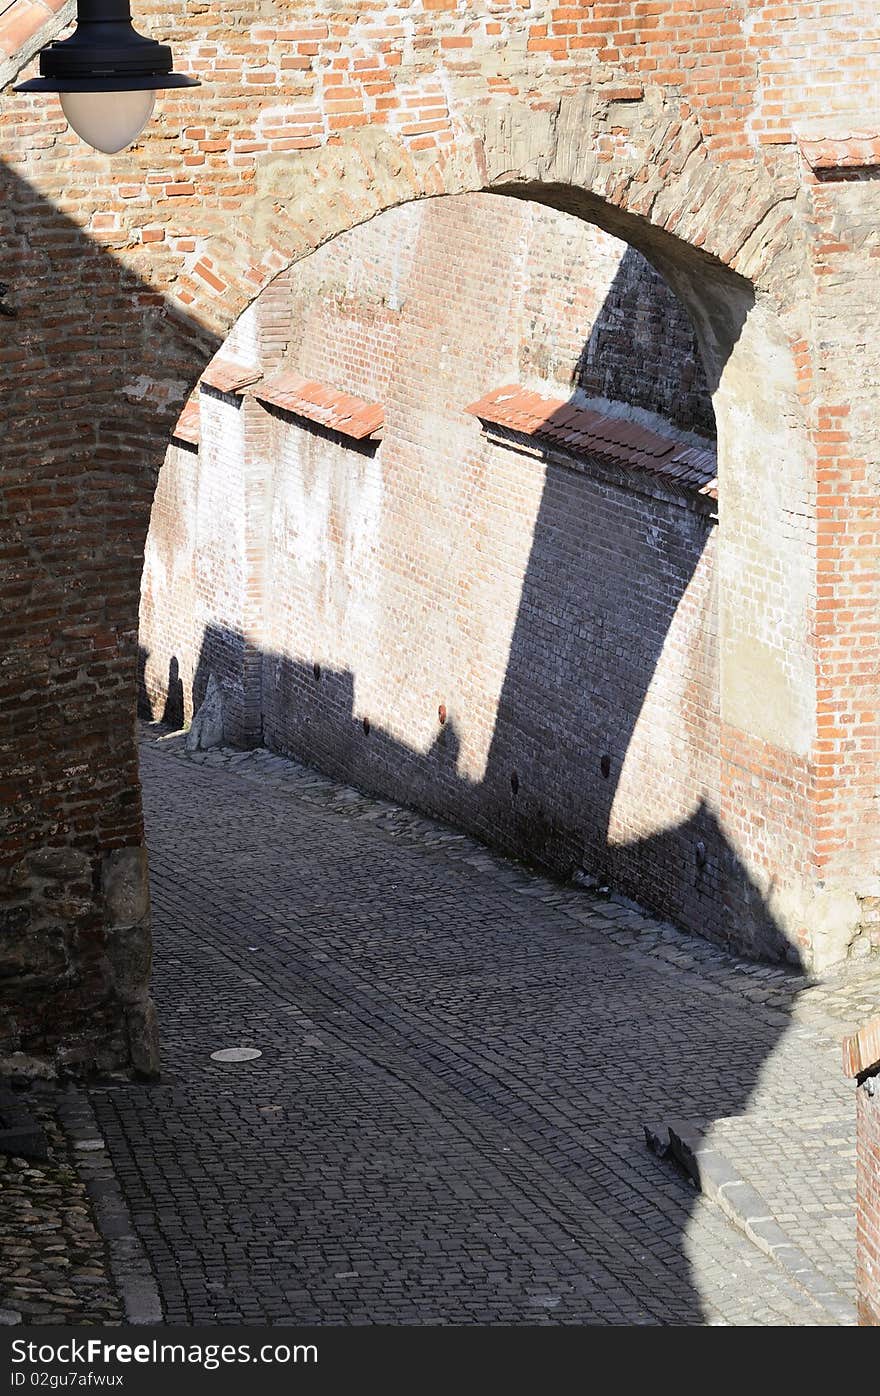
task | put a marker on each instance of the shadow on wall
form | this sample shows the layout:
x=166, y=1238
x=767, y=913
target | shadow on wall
x=606, y=727
x=641, y=342
x=504, y=1007
x=82, y=445
x=696, y=875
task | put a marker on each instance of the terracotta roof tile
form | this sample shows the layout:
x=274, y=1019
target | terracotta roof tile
x=322, y=403
x=188, y=426
x=588, y=432
x=226, y=376
x=861, y=1050
x=20, y=20
x=853, y=150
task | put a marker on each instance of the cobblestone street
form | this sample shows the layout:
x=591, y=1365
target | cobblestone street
x=458, y=1058
x=53, y=1262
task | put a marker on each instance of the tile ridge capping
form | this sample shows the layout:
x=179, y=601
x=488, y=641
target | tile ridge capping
x=861, y=1049
x=587, y=431
x=188, y=426
x=228, y=375
x=323, y=403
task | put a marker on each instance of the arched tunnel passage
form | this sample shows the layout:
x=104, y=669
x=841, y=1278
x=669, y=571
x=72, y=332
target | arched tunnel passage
x=153, y=347
x=735, y=238
x=158, y=1148
x=569, y=616
x=515, y=632
x=512, y=632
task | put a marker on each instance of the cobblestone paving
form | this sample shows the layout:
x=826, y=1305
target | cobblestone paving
x=446, y=1121
x=804, y=1168
x=53, y=1265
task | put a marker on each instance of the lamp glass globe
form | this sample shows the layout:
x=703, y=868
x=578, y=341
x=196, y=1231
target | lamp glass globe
x=108, y=121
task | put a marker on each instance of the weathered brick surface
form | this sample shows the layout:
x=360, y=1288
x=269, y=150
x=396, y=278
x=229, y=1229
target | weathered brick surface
x=868, y=1205
x=861, y=1059
x=561, y=621
x=688, y=130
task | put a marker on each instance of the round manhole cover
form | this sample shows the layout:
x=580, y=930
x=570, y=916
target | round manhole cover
x=236, y=1054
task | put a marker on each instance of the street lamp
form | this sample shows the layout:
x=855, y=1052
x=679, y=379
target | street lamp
x=106, y=74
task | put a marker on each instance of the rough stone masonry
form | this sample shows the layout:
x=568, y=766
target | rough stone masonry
x=735, y=147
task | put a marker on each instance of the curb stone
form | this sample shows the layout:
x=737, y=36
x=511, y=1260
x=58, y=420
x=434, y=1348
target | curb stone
x=21, y=1134
x=127, y=1258
x=717, y=1178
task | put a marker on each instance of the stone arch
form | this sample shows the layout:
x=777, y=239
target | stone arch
x=726, y=238
x=728, y=241
x=729, y=253
x=635, y=164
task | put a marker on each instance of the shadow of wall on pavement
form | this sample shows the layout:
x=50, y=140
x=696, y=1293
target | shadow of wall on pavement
x=698, y=1065
x=691, y=859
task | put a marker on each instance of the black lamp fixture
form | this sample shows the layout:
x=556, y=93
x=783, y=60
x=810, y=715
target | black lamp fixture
x=107, y=75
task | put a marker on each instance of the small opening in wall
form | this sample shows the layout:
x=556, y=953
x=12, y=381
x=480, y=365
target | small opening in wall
x=514, y=782
x=366, y=725
x=605, y=765
x=441, y=713
x=316, y=670
x=700, y=855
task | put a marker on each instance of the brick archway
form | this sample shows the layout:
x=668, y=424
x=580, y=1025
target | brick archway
x=629, y=161
x=633, y=164
x=732, y=260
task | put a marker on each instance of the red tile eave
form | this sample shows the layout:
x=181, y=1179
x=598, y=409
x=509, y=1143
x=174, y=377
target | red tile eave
x=861, y=1049
x=188, y=426
x=584, y=431
x=325, y=405
x=859, y=150
x=227, y=376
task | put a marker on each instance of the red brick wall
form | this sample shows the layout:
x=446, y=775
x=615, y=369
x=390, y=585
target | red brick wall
x=680, y=127
x=559, y=620
x=861, y=1061
x=868, y=1201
